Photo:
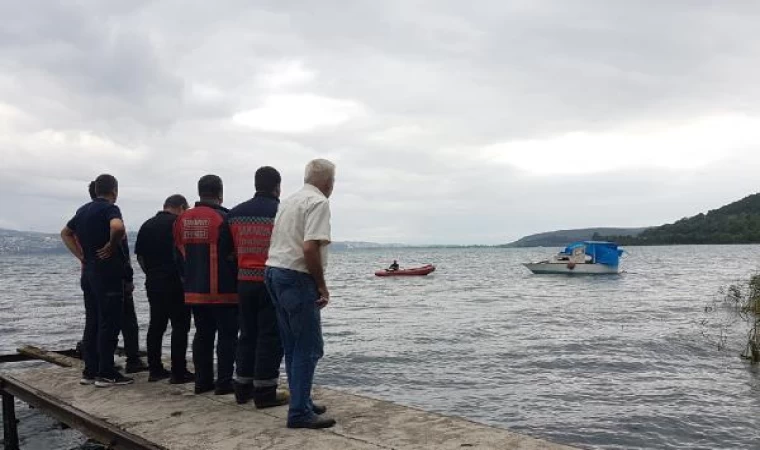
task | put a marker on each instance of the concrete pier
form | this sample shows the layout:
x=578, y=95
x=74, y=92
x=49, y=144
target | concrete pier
x=163, y=416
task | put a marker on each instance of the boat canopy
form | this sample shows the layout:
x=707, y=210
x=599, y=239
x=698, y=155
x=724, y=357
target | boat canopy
x=601, y=252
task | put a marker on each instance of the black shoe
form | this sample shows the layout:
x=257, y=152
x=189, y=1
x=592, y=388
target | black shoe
x=136, y=366
x=186, y=377
x=116, y=380
x=87, y=380
x=224, y=389
x=315, y=423
x=203, y=388
x=243, y=392
x=318, y=409
x=271, y=401
x=158, y=375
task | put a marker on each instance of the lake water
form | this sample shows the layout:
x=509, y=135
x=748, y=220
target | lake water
x=612, y=362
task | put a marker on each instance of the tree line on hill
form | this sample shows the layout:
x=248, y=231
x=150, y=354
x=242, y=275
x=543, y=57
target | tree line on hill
x=736, y=223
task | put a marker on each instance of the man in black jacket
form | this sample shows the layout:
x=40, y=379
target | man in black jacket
x=155, y=253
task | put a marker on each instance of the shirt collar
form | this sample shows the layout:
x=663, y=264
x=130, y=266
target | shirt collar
x=312, y=188
x=211, y=205
x=260, y=194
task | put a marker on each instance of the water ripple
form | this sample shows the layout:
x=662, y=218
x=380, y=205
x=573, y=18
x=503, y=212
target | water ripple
x=608, y=362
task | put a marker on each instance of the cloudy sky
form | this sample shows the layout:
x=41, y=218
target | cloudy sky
x=449, y=121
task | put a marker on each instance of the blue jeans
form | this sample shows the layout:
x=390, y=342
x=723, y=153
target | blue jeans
x=294, y=295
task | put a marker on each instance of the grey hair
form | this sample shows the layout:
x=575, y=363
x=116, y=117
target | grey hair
x=319, y=171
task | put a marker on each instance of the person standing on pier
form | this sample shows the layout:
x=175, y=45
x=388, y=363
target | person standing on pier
x=296, y=282
x=207, y=264
x=163, y=284
x=259, y=352
x=129, y=326
x=94, y=236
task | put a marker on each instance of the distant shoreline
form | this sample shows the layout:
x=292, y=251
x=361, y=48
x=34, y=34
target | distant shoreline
x=14, y=242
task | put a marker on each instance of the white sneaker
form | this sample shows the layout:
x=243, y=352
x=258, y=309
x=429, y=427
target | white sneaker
x=119, y=380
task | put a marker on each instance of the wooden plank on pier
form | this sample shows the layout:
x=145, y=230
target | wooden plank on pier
x=172, y=417
x=19, y=357
x=30, y=353
x=52, y=357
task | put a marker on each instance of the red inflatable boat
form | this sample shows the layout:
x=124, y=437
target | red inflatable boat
x=424, y=270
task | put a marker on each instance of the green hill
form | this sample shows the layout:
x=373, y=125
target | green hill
x=561, y=238
x=736, y=223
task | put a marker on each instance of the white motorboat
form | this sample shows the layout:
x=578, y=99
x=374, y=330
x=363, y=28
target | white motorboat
x=582, y=258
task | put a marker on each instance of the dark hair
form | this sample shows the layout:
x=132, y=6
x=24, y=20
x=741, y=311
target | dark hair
x=91, y=190
x=175, y=201
x=105, y=184
x=210, y=186
x=267, y=179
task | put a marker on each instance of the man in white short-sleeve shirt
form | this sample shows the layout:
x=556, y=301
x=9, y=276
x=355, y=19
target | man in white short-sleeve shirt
x=296, y=282
x=305, y=216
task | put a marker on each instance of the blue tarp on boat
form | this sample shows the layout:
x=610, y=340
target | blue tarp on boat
x=601, y=252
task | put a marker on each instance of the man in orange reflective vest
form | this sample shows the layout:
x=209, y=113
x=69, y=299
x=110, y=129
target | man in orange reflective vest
x=207, y=264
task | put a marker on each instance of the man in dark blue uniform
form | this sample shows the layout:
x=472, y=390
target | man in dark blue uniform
x=94, y=236
x=129, y=326
x=259, y=351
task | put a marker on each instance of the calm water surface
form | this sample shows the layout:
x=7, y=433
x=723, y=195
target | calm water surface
x=615, y=362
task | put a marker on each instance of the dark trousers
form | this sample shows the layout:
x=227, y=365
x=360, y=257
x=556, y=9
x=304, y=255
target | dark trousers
x=210, y=320
x=294, y=295
x=104, y=306
x=259, y=352
x=130, y=330
x=166, y=306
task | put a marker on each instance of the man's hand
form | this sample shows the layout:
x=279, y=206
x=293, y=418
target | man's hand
x=117, y=233
x=313, y=258
x=105, y=252
x=324, y=297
